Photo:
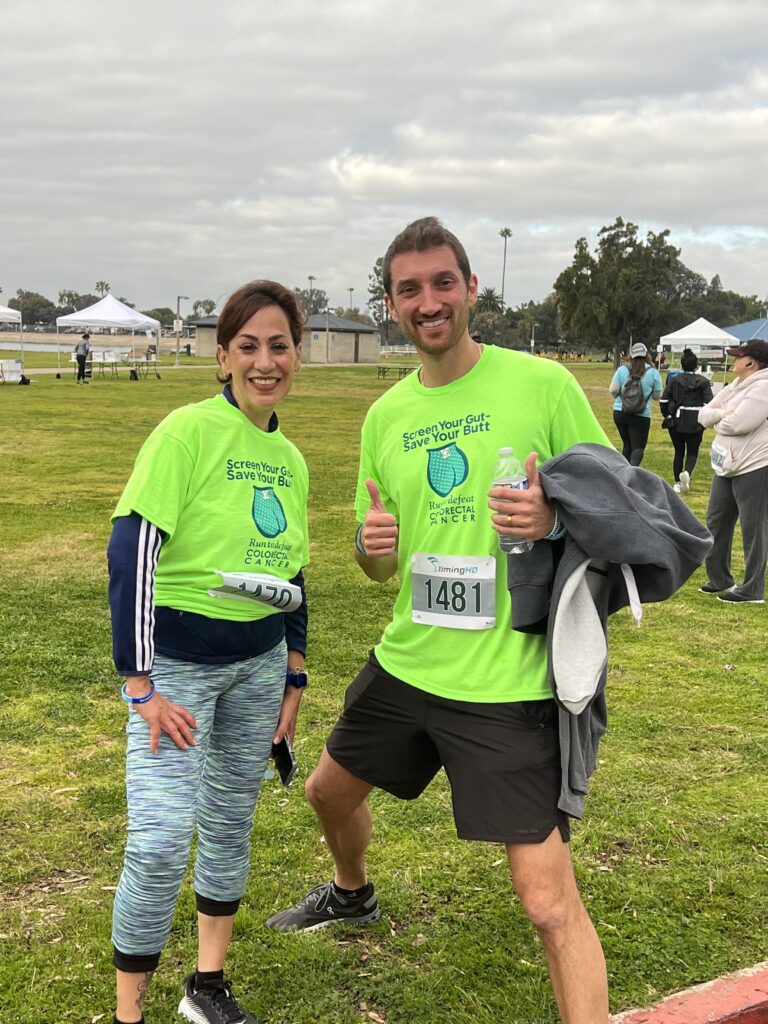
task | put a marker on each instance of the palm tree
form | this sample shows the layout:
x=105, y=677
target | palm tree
x=101, y=287
x=505, y=233
x=489, y=301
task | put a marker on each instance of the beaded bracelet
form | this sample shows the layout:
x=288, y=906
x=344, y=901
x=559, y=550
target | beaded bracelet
x=138, y=700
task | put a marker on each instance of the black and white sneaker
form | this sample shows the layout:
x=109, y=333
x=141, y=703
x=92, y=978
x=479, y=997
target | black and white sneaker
x=733, y=597
x=324, y=906
x=709, y=588
x=212, y=1004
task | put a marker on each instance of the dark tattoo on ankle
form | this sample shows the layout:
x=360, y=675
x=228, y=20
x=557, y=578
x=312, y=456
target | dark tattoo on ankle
x=143, y=989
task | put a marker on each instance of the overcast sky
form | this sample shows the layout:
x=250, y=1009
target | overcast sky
x=184, y=147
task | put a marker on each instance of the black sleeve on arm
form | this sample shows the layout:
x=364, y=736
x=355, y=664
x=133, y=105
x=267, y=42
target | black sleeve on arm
x=296, y=622
x=132, y=553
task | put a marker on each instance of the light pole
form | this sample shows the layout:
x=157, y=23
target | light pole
x=327, y=335
x=311, y=278
x=177, y=325
x=505, y=233
x=534, y=325
x=350, y=290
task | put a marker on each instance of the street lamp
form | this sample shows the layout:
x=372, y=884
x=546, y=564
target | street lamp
x=327, y=335
x=534, y=325
x=177, y=325
x=505, y=233
x=311, y=278
x=350, y=290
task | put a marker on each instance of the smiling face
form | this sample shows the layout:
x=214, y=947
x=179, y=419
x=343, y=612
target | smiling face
x=430, y=300
x=262, y=360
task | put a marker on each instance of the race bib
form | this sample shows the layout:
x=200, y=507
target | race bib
x=717, y=457
x=455, y=591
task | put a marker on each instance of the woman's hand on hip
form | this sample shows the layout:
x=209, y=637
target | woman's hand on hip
x=162, y=715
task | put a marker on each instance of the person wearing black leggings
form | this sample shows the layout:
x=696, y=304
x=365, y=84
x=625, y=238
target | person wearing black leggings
x=633, y=428
x=683, y=396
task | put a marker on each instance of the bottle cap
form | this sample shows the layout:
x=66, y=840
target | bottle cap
x=506, y=451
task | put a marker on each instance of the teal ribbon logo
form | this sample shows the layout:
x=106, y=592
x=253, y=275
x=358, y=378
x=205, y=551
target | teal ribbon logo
x=267, y=512
x=446, y=468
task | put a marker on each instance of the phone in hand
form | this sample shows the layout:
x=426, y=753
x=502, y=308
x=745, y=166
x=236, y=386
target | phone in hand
x=285, y=760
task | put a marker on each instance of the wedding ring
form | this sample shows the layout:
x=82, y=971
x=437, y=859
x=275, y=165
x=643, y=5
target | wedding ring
x=509, y=519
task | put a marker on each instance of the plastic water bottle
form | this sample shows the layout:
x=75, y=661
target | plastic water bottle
x=510, y=472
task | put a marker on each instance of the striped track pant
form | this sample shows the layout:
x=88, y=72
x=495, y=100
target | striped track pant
x=212, y=787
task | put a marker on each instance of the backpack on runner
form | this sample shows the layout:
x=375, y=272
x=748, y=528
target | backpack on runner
x=633, y=399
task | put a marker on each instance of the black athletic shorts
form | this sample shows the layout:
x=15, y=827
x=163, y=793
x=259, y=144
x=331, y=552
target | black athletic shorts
x=502, y=760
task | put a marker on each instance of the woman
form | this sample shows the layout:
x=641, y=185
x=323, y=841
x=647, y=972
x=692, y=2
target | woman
x=634, y=422
x=683, y=396
x=211, y=682
x=739, y=456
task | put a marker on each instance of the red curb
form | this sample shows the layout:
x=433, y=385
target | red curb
x=740, y=998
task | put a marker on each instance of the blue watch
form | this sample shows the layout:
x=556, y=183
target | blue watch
x=296, y=679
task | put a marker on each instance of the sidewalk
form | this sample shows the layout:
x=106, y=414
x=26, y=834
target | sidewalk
x=68, y=370
x=740, y=998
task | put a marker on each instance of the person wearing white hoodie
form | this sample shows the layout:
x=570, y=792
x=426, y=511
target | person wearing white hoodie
x=739, y=456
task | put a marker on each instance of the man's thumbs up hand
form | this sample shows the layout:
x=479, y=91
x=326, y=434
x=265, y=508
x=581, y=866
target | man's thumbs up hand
x=379, y=532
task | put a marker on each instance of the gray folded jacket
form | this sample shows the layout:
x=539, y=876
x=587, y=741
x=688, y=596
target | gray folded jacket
x=626, y=528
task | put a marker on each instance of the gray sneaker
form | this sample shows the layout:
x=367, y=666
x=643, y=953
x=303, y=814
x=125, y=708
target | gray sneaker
x=212, y=1004
x=734, y=597
x=324, y=906
x=685, y=482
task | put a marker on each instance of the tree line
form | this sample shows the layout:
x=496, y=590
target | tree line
x=37, y=309
x=626, y=288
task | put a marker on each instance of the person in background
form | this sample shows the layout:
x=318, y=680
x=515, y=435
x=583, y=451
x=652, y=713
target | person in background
x=739, y=457
x=680, y=402
x=81, y=350
x=633, y=427
x=211, y=682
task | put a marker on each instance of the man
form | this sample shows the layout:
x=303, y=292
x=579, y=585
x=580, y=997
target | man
x=451, y=685
x=81, y=350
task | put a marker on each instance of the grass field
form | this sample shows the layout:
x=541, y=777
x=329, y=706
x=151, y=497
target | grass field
x=671, y=856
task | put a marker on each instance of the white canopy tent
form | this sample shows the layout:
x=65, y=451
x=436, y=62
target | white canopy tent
x=13, y=316
x=107, y=312
x=703, y=338
x=701, y=334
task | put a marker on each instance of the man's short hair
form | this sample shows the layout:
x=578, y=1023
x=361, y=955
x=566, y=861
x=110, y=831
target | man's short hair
x=421, y=235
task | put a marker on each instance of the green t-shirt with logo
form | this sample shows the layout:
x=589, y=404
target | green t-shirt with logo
x=432, y=453
x=228, y=496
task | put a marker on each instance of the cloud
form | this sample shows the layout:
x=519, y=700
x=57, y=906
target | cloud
x=179, y=147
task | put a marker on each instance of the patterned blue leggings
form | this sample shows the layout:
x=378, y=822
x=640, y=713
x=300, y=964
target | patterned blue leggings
x=213, y=785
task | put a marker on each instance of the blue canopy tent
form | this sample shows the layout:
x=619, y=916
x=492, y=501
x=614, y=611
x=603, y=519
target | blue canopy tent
x=752, y=330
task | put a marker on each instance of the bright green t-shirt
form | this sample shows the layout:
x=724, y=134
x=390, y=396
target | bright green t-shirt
x=228, y=496
x=432, y=453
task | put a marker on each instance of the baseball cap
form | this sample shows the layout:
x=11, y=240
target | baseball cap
x=756, y=349
x=638, y=349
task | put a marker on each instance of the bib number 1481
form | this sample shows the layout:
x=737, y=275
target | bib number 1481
x=454, y=591
x=455, y=596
